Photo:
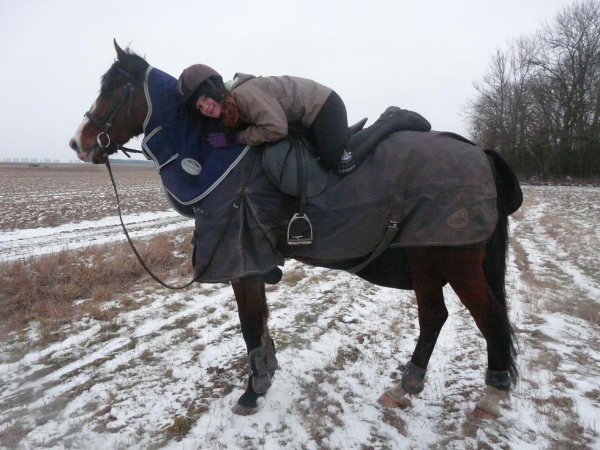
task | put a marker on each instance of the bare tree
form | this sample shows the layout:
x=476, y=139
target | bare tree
x=539, y=102
x=501, y=115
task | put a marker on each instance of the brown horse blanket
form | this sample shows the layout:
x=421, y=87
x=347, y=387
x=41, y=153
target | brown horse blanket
x=439, y=189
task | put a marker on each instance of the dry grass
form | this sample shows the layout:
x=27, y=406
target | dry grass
x=578, y=306
x=293, y=277
x=180, y=427
x=46, y=288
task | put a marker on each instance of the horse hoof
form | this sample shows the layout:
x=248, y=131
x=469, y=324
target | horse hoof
x=389, y=402
x=482, y=414
x=242, y=410
x=488, y=406
x=248, y=403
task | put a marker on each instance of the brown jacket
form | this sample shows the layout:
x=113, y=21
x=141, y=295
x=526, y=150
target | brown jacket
x=268, y=104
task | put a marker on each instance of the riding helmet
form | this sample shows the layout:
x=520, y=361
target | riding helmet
x=200, y=80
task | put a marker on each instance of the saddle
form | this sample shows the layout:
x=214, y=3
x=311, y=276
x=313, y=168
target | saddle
x=293, y=167
x=288, y=161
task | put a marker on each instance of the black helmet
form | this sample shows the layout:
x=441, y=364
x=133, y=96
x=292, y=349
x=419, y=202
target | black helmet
x=200, y=80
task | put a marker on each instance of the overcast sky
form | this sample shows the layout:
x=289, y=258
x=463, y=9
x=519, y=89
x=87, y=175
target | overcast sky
x=420, y=55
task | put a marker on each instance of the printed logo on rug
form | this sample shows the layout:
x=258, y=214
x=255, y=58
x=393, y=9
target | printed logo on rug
x=458, y=219
x=191, y=166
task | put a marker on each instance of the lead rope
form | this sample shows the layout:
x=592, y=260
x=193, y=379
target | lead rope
x=158, y=280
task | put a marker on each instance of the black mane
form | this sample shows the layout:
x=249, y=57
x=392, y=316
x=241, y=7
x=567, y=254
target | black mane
x=116, y=76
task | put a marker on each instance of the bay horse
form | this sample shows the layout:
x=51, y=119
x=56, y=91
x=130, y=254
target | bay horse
x=476, y=272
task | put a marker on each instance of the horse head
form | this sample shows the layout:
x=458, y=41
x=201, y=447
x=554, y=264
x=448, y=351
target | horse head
x=117, y=114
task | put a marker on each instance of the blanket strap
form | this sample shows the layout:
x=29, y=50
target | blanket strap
x=390, y=233
x=388, y=237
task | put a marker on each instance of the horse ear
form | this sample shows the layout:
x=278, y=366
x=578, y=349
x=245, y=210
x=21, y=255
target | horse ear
x=121, y=55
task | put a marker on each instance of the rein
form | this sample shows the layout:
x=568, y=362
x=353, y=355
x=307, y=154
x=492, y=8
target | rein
x=104, y=140
x=154, y=277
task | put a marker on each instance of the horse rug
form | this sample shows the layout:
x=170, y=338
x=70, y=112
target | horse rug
x=438, y=189
x=189, y=167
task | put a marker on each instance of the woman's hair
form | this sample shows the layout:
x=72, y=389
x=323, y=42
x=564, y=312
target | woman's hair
x=231, y=114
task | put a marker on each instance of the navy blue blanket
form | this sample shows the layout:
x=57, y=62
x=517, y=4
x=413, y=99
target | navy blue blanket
x=189, y=167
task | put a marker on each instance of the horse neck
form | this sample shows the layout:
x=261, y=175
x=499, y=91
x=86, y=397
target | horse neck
x=162, y=105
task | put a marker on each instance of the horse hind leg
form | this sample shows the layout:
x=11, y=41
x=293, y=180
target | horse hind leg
x=428, y=284
x=467, y=278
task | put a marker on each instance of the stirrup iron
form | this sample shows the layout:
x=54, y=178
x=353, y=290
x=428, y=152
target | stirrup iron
x=300, y=230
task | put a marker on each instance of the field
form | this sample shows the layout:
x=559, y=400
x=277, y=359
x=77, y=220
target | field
x=48, y=196
x=71, y=206
x=151, y=368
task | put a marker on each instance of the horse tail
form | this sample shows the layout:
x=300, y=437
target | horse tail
x=509, y=199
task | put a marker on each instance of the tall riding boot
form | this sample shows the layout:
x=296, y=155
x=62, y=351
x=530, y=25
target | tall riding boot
x=393, y=119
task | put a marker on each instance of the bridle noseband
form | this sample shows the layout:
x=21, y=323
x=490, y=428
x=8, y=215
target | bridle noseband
x=103, y=139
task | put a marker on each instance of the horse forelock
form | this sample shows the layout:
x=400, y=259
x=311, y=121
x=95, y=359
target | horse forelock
x=134, y=65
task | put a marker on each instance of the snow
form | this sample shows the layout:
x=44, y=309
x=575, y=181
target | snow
x=339, y=341
x=25, y=243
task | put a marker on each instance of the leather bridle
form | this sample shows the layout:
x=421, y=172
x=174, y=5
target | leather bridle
x=103, y=139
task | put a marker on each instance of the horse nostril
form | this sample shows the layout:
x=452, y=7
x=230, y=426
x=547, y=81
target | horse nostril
x=73, y=144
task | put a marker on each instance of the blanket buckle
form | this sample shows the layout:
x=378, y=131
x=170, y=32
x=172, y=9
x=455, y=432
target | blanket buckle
x=300, y=230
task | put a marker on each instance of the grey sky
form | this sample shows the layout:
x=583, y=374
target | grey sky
x=418, y=55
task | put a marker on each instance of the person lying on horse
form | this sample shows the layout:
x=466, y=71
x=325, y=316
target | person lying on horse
x=268, y=107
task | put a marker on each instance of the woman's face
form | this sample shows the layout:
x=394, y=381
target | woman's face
x=209, y=107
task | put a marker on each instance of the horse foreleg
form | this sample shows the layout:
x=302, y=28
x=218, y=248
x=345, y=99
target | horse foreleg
x=428, y=284
x=254, y=313
x=269, y=346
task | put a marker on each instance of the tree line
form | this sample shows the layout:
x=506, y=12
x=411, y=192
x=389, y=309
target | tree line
x=539, y=101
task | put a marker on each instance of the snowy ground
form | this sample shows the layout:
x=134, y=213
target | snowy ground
x=18, y=244
x=166, y=374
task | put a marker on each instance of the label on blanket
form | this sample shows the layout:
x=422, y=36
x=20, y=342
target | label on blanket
x=189, y=167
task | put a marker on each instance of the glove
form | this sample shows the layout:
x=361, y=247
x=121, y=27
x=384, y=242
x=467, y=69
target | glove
x=222, y=139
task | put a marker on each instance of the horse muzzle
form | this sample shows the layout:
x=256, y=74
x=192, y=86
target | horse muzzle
x=98, y=155
x=95, y=155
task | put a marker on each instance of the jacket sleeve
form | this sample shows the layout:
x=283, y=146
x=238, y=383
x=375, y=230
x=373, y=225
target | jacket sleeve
x=267, y=121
